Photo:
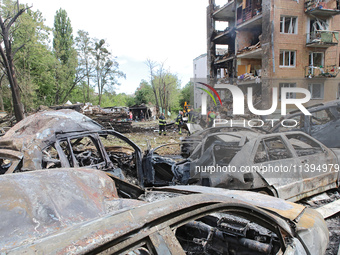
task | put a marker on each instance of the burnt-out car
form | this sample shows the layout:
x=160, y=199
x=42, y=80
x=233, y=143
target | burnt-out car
x=66, y=138
x=79, y=211
x=322, y=124
x=289, y=165
x=188, y=144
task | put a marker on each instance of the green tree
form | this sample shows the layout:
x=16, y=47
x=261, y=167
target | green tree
x=110, y=99
x=187, y=94
x=165, y=86
x=152, y=65
x=106, y=69
x=168, y=90
x=85, y=48
x=7, y=52
x=144, y=94
x=63, y=46
x=35, y=61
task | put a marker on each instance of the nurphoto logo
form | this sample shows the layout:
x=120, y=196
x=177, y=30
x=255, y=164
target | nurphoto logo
x=239, y=104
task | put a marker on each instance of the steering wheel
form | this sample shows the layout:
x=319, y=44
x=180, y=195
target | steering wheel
x=84, y=155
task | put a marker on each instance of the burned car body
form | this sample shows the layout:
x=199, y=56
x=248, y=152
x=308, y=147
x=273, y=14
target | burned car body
x=289, y=165
x=66, y=138
x=78, y=211
x=189, y=143
x=323, y=122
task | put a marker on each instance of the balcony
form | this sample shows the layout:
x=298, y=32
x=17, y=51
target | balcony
x=250, y=13
x=251, y=52
x=226, y=12
x=322, y=39
x=322, y=8
x=225, y=37
x=222, y=59
x=321, y=72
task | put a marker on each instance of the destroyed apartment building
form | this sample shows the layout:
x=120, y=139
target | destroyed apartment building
x=290, y=43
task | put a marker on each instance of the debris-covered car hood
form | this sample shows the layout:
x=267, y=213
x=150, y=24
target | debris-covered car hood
x=38, y=203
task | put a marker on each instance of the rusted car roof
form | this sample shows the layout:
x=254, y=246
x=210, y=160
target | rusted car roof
x=42, y=127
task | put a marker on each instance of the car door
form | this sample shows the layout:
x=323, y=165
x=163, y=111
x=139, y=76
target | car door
x=81, y=151
x=315, y=162
x=276, y=163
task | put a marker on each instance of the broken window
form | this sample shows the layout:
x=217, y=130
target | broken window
x=316, y=90
x=321, y=117
x=226, y=140
x=303, y=145
x=121, y=154
x=316, y=63
x=50, y=158
x=287, y=58
x=287, y=85
x=288, y=25
x=316, y=59
x=318, y=24
x=86, y=152
x=224, y=154
x=271, y=149
x=66, y=149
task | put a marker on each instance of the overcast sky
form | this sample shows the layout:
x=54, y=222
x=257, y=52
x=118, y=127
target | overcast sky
x=170, y=31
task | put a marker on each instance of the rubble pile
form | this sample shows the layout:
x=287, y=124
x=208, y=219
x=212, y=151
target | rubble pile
x=116, y=118
x=249, y=48
x=6, y=123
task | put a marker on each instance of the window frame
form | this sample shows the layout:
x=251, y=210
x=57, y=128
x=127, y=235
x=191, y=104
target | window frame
x=282, y=25
x=289, y=52
x=322, y=91
x=263, y=142
x=283, y=85
x=311, y=58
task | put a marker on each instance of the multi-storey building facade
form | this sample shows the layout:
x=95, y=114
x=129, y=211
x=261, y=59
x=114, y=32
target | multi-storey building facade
x=200, y=72
x=276, y=43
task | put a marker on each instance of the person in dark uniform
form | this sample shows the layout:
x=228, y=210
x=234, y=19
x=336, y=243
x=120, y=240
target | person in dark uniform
x=141, y=116
x=191, y=116
x=162, y=124
x=179, y=122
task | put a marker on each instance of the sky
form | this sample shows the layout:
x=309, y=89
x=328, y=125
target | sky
x=172, y=32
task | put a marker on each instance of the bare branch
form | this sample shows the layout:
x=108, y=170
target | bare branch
x=17, y=49
x=16, y=16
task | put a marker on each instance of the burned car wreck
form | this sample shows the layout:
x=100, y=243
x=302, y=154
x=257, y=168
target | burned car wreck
x=189, y=143
x=79, y=211
x=66, y=138
x=289, y=165
x=322, y=124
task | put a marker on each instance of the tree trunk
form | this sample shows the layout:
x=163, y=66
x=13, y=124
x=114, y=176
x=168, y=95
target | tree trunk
x=8, y=61
x=88, y=81
x=2, y=107
x=7, y=57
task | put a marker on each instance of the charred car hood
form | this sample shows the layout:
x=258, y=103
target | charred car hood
x=39, y=203
x=286, y=209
